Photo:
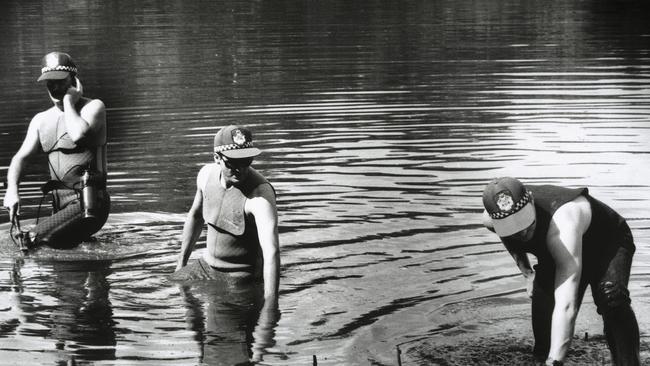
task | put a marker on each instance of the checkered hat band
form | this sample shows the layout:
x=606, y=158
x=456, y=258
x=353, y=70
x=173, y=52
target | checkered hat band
x=59, y=68
x=515, y=208
x=221, y=148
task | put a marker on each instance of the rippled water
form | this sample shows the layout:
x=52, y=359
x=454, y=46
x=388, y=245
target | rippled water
x=380, y=124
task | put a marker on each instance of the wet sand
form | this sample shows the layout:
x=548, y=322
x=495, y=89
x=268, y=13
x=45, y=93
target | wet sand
x=497, y=331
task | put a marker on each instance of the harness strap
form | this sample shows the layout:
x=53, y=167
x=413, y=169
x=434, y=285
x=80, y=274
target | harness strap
x=52, y=185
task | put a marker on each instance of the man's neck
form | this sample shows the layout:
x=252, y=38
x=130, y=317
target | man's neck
x=225, y=184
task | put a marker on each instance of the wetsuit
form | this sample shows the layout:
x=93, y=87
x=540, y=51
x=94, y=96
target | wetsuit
x=235, y=233
x=607, y=250
x=67, y=161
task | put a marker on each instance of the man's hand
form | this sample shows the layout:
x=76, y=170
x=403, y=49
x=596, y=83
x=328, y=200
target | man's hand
x=73, y=94
x=530, y=284
x=179, y=264
x=551, y=362
x=264, y=332
x=12, y=203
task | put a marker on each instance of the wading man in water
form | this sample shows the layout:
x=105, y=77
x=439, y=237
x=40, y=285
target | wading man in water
x=578, y=241
x=238, y=204
x=72, y=133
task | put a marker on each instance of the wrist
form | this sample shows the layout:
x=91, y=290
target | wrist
x=271, y=298
x=551, y=362
x=69, y=101
x=528, y=273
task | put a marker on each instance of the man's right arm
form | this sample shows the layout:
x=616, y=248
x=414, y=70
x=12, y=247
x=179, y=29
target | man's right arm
x=520, y=258
x=193, y=224
x=27, y=149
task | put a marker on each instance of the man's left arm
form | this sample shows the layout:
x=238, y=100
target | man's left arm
x=263, y=208
x=564, y=240
x=89, y=124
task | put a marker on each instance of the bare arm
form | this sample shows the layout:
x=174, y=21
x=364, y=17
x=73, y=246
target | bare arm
x=263, y=208
x=89, y=124
x=264, y=332
x=520, y=258
x=564, y=240
x=193, y=224
x=18, y=162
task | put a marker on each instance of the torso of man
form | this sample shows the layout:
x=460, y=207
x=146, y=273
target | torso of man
x=212, y=255
x=96, y=137
x=87, y=112
x=568, y=224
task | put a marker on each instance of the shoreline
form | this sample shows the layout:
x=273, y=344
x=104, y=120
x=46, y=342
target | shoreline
x=497, y=331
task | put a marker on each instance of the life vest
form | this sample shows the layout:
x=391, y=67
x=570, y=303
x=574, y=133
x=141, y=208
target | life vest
x=223, y=210
x=66, y=159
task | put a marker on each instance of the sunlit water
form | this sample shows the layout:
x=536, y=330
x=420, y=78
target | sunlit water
x=380, y=124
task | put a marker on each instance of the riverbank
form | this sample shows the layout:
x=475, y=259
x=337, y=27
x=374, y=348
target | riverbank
x=497, y=331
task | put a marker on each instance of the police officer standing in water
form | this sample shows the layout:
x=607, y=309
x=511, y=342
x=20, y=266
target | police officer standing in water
x=239, y=206
x=578, y=241
x=72, y=133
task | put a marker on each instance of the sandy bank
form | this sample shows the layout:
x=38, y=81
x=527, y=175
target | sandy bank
x=497, y=331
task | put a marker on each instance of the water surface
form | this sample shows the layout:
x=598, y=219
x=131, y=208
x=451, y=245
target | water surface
x=380, y=124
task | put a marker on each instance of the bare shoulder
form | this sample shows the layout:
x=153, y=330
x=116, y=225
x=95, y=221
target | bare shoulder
x=95, y=105
x=264, y=192
x=575, y=214
x=46, y=115
x=261, y=201
x=41, y=118
x=94, y=110
x=204, y=173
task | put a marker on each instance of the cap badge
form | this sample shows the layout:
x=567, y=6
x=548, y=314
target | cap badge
x=238, y=137
x=504, y=201
x=52, y=59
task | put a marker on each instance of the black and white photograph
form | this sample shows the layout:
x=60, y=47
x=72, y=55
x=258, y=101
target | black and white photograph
x=325, y=182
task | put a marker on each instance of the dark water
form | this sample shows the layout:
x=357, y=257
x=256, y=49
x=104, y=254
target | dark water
x=380, y=124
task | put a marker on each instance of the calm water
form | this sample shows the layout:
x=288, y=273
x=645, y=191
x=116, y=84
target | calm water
x=380, y=124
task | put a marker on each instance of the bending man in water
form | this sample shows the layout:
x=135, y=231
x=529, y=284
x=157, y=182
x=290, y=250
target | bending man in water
x=578, y=241
x=238, y=204
x=73, y=135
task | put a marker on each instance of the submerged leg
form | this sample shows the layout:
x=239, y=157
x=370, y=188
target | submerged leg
x=67, y=227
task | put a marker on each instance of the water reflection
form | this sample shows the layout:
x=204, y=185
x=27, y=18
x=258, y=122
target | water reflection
x=68, y=304
x=380, y=123
x=231, y=326
x=83, y=315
